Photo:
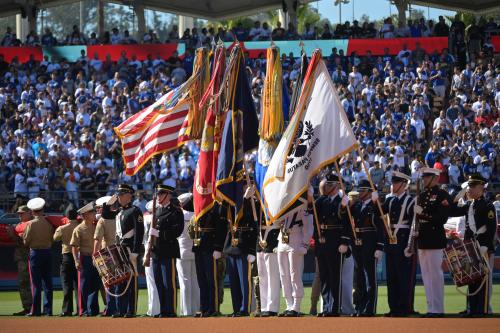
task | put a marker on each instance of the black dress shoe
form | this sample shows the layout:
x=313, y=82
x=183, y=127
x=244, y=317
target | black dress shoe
x=321, y=314
x=47, y=314
x=282, y=314
x=117, y=315
x=292, y=313
x=65, y=314
x=331, y=314
x=21, y=313
x=196, y=315
x=32, y=315
x=272, y=314
x=366, y=315
x=354, y=315
x=129, y=315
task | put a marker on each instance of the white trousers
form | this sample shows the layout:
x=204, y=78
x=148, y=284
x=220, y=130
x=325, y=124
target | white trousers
x=291, y=266
x=347, y=286
x=153, y=298
x=432, y=276
x=188, y=283
x=269, y=281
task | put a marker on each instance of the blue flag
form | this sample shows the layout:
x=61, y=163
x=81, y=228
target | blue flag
x=240, y=135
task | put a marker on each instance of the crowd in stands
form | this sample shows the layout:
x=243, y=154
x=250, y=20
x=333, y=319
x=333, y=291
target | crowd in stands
x=410, y=110
x=476, y=33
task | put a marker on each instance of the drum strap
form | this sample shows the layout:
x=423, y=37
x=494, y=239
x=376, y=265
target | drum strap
x=401, y=215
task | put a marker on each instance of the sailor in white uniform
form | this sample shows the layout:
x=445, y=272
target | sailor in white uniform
x=153, y=298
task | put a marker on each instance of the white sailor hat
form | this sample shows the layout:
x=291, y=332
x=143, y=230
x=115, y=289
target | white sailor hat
x=87, y=208
x=429, y=172
x=400, y=177
x=102, y=200
x=185, y=197
x=36, y=204
x=149, y=206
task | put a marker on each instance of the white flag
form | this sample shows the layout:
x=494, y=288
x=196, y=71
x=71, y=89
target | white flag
x=318, y=134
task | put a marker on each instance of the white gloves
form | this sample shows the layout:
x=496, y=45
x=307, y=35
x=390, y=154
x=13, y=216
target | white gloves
x=133, y=259
x=378, y=254
x=483, y=250
x=418, y=210
x=112, y=200
x=460, y=197
x=374, y=196
x=249, y=193
x=217, y=255
x=345, y=201
x=250, y=258
x=461, y=202
x=343, y=248
x=154, y=232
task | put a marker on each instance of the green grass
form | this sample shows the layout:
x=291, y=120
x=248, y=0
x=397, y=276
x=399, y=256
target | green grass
x=454, y=302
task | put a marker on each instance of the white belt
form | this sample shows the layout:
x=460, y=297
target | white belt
x=128, y=234
x=269, y=227
x=401, y=226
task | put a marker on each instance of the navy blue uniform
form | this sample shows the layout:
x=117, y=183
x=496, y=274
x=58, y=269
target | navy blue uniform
x=401, y=270
x=131, y=224
x=369, y=230
x=335, y=230
x=482, y=229
x=238, y=267
x=170, y=224
x=212, y=229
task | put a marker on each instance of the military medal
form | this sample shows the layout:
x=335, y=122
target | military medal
x=197, y=241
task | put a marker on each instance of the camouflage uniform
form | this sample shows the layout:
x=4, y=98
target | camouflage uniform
x=21, y=254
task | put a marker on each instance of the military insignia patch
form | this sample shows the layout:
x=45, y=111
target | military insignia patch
x=140, y=219
x=491, y=214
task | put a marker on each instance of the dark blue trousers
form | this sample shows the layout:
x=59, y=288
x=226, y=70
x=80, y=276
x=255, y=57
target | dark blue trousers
x=330, y=274
x=89, y=287
x=365, y=275
x=41, y=278
x=206, y=271
x=399, y=280
x=165, y=274
x=111, y=302
x=127, y=303
x=239, y=271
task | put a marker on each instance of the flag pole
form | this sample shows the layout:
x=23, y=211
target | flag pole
x=385, y=219
x=320, y=238
x=357, y=241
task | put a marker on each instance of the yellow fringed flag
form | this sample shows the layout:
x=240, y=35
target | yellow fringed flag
x=271, y=120
x=196, y=116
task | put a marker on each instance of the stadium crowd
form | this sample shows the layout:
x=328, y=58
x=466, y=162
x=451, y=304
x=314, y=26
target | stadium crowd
x=409, y=110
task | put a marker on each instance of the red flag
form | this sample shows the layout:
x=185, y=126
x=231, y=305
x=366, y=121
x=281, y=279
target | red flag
x=206, y=168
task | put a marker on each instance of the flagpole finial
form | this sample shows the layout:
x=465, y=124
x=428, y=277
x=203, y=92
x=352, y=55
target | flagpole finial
x=301, y=44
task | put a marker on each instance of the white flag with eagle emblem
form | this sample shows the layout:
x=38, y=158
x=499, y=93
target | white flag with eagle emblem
x=318, y=134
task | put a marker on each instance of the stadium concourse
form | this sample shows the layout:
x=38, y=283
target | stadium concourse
x=413, y=111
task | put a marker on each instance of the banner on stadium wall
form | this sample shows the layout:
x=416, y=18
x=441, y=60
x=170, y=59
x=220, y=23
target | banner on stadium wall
x=22, y=53
x=141, y=51
x=377, y=46
x=255, y=49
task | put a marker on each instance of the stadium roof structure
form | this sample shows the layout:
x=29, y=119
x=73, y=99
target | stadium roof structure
x=222, y=9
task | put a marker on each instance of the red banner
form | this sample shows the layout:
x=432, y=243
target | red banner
x=377, y=46
x=22, y=53
x=141, y=51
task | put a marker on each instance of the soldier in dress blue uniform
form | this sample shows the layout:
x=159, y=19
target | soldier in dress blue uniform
x=208, y=233
x=38, y=237
x=480, y=225
x=331, y=243
x=370, y=232
x=130, y=233
x=240, y=250
x=432, y=212
x=169, y=226
x=400, y=274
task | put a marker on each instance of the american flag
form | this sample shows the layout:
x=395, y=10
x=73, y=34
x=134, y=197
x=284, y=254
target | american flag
x=158, y=128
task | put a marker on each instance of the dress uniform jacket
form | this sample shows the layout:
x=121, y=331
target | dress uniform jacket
x=170, y=223
x=38, y=234
x=213, y=229
x=334, y=225
x=64, y=234
x=130, y=227
x=436, y=209
x=83, y=237
x=246, y=232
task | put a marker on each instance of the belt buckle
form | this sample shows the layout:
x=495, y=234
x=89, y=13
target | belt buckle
x=358, y=241
x=262, y=244
x=196, y=242
x=285, y=237
x=323, y=226
x=322, y=240
x=235, y=242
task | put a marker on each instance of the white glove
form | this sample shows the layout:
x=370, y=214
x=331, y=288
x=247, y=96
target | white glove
x=378, y=254
x=341, y=193
x=343, y=248
x=374, y=196
x=154, y=232
x=460, y=196
x=483, y=250
x=249, y=193
x=250, y=258
x=217, y=255
x=418, y=210
x=112, y=200
x=461, y=202
x=133, y=259
x=345, y=201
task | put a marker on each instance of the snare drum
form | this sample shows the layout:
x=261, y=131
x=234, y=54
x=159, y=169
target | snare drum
x=465, y=262
x=113, y=265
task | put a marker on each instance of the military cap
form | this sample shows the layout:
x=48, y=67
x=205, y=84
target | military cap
x=185, y=197
x=23, y=209
x=124, y=188
x=400, y=177
x=364, y=185
x=332, y=178
x=36, y=204
x=430, y=172
x=149, y=206
x=87, y=208
x=476, y=179
x=164, y=188
x=102, y=200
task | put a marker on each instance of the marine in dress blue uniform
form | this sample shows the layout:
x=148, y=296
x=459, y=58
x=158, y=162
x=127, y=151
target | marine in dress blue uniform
x=480, y=225
x=208, y=233
x=130, y=233
x=240, y=250
x=400, y=269
x=169, y=226
x=38, y=237
x=331, y=244
x=370, y=232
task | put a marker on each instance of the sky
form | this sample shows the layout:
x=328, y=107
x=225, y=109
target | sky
x=375, y=9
